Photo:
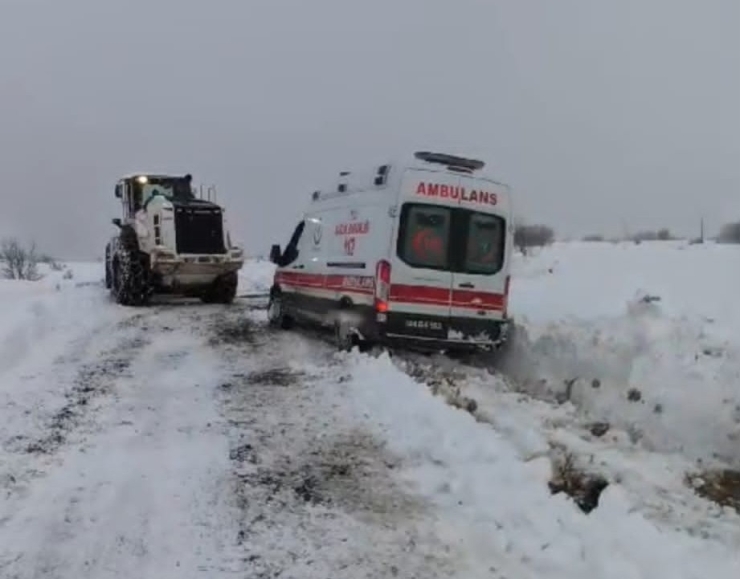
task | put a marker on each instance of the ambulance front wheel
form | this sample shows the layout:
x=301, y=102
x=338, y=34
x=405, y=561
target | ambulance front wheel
x=276, y=315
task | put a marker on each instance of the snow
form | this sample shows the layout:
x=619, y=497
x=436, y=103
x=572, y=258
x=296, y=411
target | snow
x=682, y=353
x=499, y=506
x=696, y=280
x=256, y=277
x=185, y=440
x=167, y=481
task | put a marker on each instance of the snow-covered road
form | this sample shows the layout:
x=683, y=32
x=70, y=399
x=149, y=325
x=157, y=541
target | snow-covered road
x=130, y=476
x=187, y=441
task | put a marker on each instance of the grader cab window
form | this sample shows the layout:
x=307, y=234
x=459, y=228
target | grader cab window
x=144, y=188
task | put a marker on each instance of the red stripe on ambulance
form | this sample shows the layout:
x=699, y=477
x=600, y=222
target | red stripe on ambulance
x=466, y=299
x=399, y=293
x=478, y=300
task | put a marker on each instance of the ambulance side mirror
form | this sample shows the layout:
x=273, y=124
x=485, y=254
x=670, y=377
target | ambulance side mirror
x=275, y=253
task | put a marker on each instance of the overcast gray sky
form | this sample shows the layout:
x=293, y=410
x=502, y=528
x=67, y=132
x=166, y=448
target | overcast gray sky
x=597, y=112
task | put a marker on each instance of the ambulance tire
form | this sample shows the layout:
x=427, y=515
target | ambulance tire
x=348, y=343
x=344, y=340
x=276, y=315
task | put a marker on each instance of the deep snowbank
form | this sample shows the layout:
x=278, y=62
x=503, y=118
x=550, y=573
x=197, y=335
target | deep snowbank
x=497, y=508
x=665, y=370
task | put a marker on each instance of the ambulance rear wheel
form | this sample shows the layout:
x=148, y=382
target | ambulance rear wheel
x=276, y=315
x=344, y=338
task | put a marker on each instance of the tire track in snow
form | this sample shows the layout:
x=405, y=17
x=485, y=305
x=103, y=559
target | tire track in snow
x=149, y=494
x=93, y=379
x=59, y=401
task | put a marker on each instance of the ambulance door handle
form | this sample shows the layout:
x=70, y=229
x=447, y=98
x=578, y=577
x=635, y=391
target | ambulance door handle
x=298, y=266
x=466, y=284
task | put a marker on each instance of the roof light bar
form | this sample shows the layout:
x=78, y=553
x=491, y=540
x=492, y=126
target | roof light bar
x=450, y=160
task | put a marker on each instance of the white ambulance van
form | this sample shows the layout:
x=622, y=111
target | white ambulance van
x=415, y=253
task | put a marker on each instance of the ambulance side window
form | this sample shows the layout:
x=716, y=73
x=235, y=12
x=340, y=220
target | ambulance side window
x=291, y=250
x=424, y=236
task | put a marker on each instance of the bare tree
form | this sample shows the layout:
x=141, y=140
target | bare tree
x=17, y=261
x=526, y=236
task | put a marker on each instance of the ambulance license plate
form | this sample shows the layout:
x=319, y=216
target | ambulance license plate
x=425, y=327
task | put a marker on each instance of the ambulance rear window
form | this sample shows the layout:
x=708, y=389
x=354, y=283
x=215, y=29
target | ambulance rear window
x=424, y=236
x=451, y=239
x=484, y=253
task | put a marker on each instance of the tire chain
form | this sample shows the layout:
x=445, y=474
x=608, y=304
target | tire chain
x=133, y=284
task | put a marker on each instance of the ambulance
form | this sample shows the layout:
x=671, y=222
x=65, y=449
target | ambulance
x=415, y=253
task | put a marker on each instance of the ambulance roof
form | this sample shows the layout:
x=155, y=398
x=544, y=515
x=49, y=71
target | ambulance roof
x=151, y=175
x=373, y=176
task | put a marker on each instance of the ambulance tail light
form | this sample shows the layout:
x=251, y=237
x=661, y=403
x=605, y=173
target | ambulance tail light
x=506, y=295
x=382, y=286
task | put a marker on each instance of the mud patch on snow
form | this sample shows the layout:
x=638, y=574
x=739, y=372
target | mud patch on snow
x=276, y=377
x=236, y=330
x=570, y=478
x=331, y=495
x=350, y=472
x=719, y=486
x=132, y=321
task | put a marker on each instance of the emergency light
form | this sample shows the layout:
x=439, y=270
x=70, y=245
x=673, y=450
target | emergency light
x=451, y=161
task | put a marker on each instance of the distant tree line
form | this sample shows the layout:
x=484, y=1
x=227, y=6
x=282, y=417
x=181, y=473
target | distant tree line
x=593, y=237
x=729, y=233
x=663, y=234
